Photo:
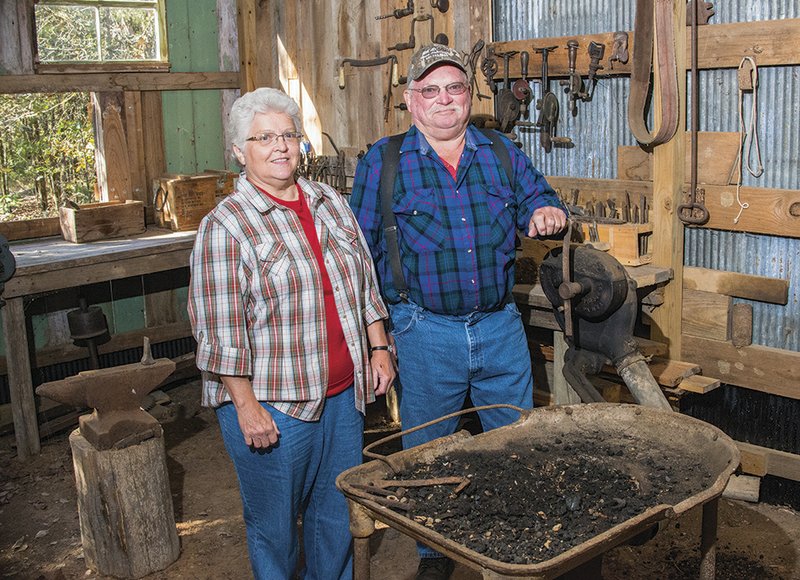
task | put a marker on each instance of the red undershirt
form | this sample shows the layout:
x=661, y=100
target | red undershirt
x=340, y=365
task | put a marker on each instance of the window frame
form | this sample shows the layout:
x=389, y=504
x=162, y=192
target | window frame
x=69, y=66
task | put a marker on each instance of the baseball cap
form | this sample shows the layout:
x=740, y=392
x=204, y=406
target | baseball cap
x=432, y=54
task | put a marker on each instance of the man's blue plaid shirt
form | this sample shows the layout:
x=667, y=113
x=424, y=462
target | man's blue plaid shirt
x=457, y=237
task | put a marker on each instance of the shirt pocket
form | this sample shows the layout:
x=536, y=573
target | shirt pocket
x=419, y=220
x=274, y=266
x=502, y=207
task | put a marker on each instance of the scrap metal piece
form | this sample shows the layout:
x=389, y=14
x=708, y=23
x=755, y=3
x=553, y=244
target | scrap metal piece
x=116, y=394
x=619, y=49
x=704, y=14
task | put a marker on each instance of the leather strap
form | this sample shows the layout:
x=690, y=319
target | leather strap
x=653, y=24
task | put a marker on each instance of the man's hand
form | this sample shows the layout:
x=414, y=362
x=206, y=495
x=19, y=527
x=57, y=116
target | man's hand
x=257, y=425
x=547, y=221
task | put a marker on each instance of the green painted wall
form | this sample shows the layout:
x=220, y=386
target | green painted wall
x=193, y=137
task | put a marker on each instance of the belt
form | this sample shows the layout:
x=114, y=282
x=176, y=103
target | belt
x=653, y=25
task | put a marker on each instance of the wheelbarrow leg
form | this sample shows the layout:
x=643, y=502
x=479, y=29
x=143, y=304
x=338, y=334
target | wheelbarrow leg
x=708, y=541
x=362, y=526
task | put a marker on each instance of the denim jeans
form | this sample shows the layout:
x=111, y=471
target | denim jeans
x=297, y=477
x=441, y=358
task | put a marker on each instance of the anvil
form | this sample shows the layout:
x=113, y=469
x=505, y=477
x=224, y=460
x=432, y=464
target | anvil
x=116, y=394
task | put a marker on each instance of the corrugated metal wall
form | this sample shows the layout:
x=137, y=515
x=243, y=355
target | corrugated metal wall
x=601, y=126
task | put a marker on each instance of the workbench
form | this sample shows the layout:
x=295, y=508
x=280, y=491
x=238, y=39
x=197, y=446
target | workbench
x=51, y=264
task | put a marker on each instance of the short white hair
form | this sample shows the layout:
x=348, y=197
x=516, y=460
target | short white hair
x=263, y=100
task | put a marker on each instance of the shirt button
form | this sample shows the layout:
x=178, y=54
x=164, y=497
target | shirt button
x=469, y=251
x=506, y=204
x=463, y=219
x=473, y=281
x=415, y=212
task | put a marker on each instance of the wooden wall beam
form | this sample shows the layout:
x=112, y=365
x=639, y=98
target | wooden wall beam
x=16, y=32
x=127, y=81
x=668, y=179
x=769, y=370
x=770, y=42
x=774, y=212
x=765, y=461
x=760, y=288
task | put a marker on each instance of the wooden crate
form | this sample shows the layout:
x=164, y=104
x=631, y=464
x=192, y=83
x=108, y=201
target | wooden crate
x=181, y=201
x=628, y=243
x=99, y=221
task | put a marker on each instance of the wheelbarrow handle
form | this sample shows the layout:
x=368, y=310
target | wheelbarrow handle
x=367, y=450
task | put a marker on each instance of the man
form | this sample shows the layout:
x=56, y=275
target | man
x=456, y=328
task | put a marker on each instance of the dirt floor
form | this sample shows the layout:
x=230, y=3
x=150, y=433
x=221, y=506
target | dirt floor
x=40, y=537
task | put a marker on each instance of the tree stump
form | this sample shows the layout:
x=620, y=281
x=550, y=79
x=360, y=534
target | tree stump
x=125, y=507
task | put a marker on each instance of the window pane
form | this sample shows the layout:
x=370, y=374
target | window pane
x=66, y=33
x=129, y=33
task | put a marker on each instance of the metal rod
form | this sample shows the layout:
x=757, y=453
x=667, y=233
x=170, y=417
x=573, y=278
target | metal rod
x=708, y=540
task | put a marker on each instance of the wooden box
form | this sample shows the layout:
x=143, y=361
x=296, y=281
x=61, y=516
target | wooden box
x=628, y=243
x=181, y=201
x=99, y=221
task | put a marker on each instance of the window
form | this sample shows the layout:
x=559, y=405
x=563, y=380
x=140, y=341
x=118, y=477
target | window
x=93, y=32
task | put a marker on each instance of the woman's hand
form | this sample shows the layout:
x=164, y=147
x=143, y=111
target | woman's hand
x=257, y=425
x=383, y=373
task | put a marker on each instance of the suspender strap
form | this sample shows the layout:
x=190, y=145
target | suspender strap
x=653, y=23
x=391, y=159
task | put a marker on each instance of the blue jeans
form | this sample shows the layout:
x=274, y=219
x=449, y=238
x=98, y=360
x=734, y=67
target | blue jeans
x=295, y=477
x=441, y=358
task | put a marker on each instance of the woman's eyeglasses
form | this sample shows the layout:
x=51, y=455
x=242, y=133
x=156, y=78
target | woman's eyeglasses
x=268, y=138
x=432, y=91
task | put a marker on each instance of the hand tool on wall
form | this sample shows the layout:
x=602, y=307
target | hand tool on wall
x=394, y=76
x=472, y=64
x=596, y=52
x=440, y=38
x=619, y=49
x=399, y=12
x=548, y=107
x=507, y=106
x=694, y=212
x=573, y=85
x=489, y=68
x=706, y=11
x=521, y=88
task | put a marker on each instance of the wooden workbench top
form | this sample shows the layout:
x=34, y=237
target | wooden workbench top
x=53, y=263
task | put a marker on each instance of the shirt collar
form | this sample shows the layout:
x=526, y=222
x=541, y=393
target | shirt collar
x=415, y=140
x=264, y=204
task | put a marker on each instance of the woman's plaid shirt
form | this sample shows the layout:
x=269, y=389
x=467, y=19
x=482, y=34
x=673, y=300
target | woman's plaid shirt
x=256, y=300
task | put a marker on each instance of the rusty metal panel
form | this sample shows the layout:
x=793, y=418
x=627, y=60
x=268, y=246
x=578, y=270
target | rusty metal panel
x=602, y=125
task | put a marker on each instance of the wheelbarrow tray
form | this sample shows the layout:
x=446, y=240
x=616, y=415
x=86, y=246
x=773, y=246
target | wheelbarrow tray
x=679, y=435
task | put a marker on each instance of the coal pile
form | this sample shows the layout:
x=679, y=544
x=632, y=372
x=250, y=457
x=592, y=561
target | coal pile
x=529, y=502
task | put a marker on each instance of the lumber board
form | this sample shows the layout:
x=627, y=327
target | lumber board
x=716, y=159
x=115, y=154
x=134, y=132
x=742, y=325
x=760, y=368
x=706, y=314
x=771, y=461
x=753, y=459
x=770, y=42
x=36, y=228
x=699, y=384
x=670, y=373
x=759, y=288
x=774, y=212
x=123, y=81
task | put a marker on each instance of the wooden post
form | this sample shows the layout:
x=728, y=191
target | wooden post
x=668, y=179
x=23, y=406
x=125, y=507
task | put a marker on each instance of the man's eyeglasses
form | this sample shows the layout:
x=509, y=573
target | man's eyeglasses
x=432, y=91
x=268, y=138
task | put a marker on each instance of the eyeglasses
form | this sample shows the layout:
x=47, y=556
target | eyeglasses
x=431, y=91
x=268, y=138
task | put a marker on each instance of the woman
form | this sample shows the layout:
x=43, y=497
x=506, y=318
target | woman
x=288, y=319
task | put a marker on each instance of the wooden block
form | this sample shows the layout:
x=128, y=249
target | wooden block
x=761, y=368
x=628, y=243
x=753, y=459
x=742, y=325
x=125, y=507
x=760, y=288
x=716, y=158
x=706, y=314
x=671, y=372
x=182, y=201
x=770, y=461
x=699, y=384
x=99, y=221
x=650, y=348
x=743, y=488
